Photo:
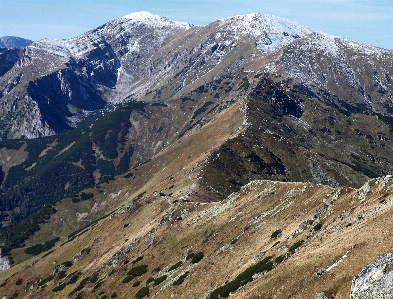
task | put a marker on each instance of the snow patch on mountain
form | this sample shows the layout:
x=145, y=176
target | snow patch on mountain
x=52, y=46
x=273, y=32
x=330, y=45
x=80, y=46
x=151, y=20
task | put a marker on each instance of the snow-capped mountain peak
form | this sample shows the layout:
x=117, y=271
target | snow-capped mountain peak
x=273, y=32
x=153, y=20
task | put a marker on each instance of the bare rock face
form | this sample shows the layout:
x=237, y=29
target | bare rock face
x=322, y=296
x=374, y=281
x=4, y=263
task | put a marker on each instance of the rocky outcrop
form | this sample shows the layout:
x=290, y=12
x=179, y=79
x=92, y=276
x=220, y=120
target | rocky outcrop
x=374, y=280
x=322, y=296
x=4, y=263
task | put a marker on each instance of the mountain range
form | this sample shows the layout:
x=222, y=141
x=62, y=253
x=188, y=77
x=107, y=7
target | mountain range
x=252, y=153
x=13, y=42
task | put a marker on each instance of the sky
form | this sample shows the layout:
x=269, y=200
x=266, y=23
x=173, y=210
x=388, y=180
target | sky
x=366, y=21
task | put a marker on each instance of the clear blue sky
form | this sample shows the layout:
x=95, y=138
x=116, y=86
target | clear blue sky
x=367, y=21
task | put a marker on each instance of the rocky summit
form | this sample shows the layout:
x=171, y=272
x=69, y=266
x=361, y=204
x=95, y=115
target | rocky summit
x=247, y=158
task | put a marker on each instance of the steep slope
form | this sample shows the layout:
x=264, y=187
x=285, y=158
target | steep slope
x=8, y=58
x=67, y=78
x=268, y=239
x=295, y=135
x=39, y=171
x=27, y=175
x=292, y=134
x=355, y=76
x=138, y=56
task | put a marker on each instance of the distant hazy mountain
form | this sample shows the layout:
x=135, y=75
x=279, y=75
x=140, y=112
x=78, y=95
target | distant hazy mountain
x=14, y=42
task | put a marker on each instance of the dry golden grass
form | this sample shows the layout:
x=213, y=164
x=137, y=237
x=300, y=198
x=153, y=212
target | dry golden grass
x=164, y=229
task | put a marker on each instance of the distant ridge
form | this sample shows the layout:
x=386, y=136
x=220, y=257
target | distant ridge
x=14, y=42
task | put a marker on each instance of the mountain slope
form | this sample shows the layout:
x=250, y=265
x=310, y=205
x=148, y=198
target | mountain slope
x=253, y=156
x=39, y=171
x=130, y=57
x=12, y=42
x=357, y=75
x=318, y=237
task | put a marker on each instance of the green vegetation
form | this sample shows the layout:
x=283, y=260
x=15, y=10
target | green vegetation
x=86, y=196
x=61, y=275
x=296, y=246
x=180, y=280
x=94, y=278
x=59, y=287
x=137, y=271
x=175, y=266
x=77, y=232
x=19, y=282
x=45, y=280
x=73, y=279
x=128, y=175
x=38, y=248
x=86, y=250
x=149, y=280
x=140, y=195
x=80, y=295
x=190, y=255
x=202, y=109
x=318, y=226
x=4, y=283
x=139, y=258
x=5, y=251
x=75, y=200
x=67, y=264
x=114, y=295
x=127, y=279
x=276, y=234
x=97, y=285
x=197, y=257
x=15, y=236
x=279, y=259
x=242, y=279
x=160, y=279
x=80, y=286
x=48, y=253
x=64, y=165
x=142, y=292
x=245, y=84
x=136, y=284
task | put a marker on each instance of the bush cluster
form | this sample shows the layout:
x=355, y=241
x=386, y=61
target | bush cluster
x=38, y=248
x=276, y=234
x=137, y=271
x=197, y=257
x=180, y=280
x=242, y=279
x=160, y=279
x=142, y=292
x=59, y=287
x=175, y=266
x=296, y=246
